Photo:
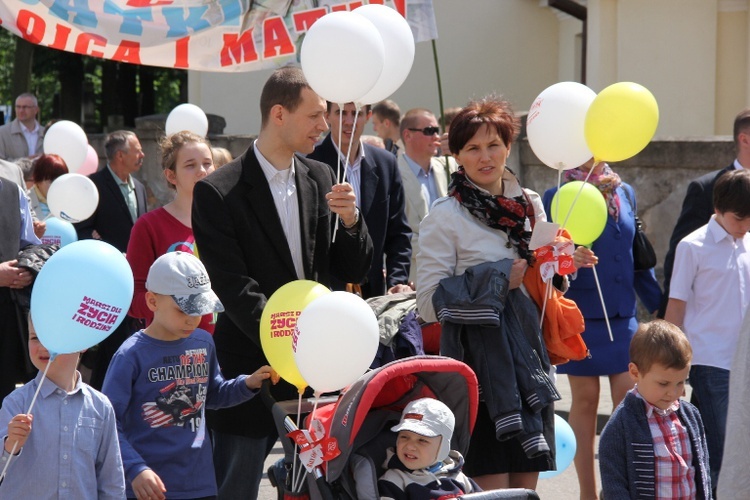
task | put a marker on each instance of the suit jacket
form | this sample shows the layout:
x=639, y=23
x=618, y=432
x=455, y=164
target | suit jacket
x=620, y=283
x=697, y=209
x=417, y=203
x=381, y=204
x=112, y=218
x=242, y=244
x=13, y=144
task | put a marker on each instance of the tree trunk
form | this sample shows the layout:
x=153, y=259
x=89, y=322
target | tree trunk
x=22, y=63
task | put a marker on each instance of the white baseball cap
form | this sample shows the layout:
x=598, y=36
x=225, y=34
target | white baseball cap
x=183, y=276
x=430, y=418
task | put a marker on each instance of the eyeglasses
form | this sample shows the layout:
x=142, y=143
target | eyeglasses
x=25, y=107
x=426, y=130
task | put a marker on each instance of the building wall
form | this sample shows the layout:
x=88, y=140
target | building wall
x=507, y=46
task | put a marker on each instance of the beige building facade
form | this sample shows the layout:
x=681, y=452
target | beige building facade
x=691, y=54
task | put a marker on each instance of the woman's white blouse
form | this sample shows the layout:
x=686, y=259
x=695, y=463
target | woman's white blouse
x=451, y=240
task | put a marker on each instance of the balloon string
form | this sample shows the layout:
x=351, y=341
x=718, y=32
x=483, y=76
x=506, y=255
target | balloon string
x=544, y=303
x=338, y=169
x=357, y=107
x=557, y=199
x=296, y=464
x=604, y=308
x=33, y=400
x=570, y=210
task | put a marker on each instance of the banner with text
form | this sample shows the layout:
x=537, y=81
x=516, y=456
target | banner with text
x=206, y=35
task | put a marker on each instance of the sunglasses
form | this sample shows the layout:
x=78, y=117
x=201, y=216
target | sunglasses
x=426, y=130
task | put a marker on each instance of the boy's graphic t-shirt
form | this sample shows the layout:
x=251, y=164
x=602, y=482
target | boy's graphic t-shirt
x=160, y=391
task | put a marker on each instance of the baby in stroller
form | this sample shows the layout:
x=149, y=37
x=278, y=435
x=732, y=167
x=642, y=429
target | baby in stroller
x=362, y=419
x=422, y=464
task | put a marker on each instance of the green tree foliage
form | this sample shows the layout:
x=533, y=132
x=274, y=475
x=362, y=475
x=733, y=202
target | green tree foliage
x=89, y=90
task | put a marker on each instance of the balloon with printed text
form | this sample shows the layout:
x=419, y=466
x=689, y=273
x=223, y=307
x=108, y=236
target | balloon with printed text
x=59, y=232
x=555, y=125
x=73, y=197
x=80, y=296
x=278, y=322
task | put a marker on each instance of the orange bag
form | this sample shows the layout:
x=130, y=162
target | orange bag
x=562, y=324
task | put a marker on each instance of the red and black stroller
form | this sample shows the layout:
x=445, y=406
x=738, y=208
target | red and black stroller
x=361, y=418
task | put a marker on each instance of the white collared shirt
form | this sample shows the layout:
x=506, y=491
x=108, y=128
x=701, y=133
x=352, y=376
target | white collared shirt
x=711, y=275
x=353, y=172
x=284, y=192
x=31, y=136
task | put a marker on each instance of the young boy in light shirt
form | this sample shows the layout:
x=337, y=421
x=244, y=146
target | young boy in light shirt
x=709, y=294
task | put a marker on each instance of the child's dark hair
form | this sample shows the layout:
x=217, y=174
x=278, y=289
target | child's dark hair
x=660, y=342
x=732, y=192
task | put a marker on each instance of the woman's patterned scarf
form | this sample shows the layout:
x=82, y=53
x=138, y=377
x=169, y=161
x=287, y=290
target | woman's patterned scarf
x=607, y=182
x=497, y=212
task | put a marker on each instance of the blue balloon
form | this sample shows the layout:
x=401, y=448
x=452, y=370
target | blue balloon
x=565, y=447
x=59, y=232
x=80, y=296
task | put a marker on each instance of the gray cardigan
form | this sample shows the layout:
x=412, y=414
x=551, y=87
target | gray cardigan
x=626, y=452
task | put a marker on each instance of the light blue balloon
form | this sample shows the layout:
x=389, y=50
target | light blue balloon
x=565, y=447
x=59, y=232
x=80, y=296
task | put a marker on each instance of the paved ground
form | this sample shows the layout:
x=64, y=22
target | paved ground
x=563, y=486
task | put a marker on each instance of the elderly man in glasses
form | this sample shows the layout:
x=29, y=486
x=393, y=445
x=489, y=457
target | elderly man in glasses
x=373, y=174
x=24, y=135
x=425, y=175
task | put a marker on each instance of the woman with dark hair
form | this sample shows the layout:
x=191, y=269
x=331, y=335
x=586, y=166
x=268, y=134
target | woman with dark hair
x=185, y=159
x=45, y=169
x=487, y=218
x=620, y=284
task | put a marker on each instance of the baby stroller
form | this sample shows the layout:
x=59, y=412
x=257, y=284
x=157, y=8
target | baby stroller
x=361, y=418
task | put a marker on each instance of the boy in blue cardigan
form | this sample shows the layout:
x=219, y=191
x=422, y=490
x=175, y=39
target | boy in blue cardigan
x=163, y=378
x=654, y=445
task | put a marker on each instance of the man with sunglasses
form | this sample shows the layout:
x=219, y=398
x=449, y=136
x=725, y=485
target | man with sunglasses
x=24, y=135
x=373, y=174
x=424, y=175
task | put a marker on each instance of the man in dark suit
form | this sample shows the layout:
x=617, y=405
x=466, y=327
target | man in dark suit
x=261, y=221
x=698, y=206
x=122, y=199
x=374, y=174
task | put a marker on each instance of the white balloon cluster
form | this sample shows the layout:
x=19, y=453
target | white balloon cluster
x=361, y=56
x=72, y=197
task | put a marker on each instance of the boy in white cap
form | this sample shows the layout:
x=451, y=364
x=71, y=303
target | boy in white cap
x=163, y=378
x=423, y=465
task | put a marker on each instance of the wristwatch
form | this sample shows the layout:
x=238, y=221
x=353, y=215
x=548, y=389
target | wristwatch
x=353, y=224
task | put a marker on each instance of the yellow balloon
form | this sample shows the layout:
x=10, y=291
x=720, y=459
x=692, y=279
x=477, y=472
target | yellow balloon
x=584, y=215
x=621, y=121
x=278, y=323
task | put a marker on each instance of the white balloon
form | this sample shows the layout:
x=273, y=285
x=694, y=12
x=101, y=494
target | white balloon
x=72, y=197
x=337, y=339
x=398, y=41
x=67, y=140
x=555, y=125
x=187, y=117
x=342, y=56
